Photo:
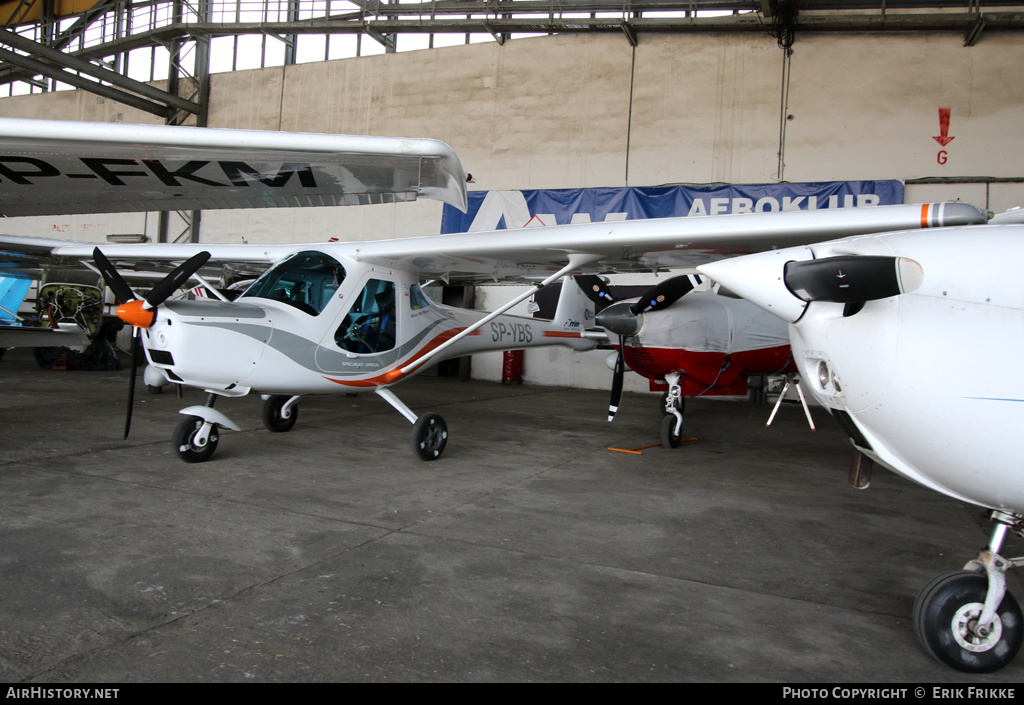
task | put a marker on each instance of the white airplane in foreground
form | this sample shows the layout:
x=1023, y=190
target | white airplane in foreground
x=340, y=316
x=876, y=324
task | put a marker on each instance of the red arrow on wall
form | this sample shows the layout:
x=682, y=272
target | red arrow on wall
x=944, y=137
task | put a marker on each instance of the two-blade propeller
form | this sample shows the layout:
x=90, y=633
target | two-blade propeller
x=141, y=312
x=623, y=318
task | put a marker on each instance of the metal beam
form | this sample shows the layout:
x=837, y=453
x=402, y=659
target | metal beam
x=630, y=33
x=37, y=67
x=974, y=32
x=60, y=60
x=383, y=21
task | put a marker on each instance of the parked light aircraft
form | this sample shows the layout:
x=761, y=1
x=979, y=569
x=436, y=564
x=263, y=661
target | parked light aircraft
x=876, y=324
x=342, y=316
x=687, y=343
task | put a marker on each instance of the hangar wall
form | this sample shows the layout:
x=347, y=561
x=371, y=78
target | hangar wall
x=589, y=110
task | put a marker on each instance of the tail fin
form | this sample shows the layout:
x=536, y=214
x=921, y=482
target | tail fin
x=12, y=292
x=575, y=311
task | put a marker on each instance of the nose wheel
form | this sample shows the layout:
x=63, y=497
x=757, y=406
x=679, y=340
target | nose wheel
x=195, y=440
x=947, y=619
x=671, y=431
x=966, y=619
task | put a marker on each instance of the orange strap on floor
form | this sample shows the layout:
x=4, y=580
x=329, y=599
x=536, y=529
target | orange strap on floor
x=634, y=451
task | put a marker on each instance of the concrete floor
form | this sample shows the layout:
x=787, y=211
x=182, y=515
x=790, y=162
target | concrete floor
x=528, y=552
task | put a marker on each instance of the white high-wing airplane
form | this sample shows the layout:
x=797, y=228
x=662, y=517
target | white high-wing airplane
x=342, y=316
x=876, y=324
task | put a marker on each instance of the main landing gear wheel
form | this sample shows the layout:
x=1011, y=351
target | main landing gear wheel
x=429, y=436
x=273, y=417
x=946, y=619
x=188, y=447
x=669, y=437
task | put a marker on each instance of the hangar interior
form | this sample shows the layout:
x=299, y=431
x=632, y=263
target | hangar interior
x=543, y=95
x=536, y=551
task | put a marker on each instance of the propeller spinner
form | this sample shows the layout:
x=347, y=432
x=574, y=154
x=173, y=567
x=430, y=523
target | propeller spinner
x=141, y=312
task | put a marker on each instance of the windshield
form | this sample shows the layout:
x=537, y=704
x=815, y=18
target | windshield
x=306, y=280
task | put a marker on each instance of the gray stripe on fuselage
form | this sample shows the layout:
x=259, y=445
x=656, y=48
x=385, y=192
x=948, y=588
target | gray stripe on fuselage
x=303, y=351
x=215, y=309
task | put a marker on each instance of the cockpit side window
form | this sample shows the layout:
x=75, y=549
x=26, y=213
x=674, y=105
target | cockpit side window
x=306, y=280
x=417, y=299
x=371, y=323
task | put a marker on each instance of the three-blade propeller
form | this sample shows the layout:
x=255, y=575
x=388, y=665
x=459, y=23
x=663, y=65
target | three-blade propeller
x=623, y=318
x=141, y=312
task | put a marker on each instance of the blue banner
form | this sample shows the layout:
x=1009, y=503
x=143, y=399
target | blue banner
x=495, y=210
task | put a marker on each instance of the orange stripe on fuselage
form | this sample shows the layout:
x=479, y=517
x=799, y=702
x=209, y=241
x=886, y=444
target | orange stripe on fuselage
x=924, y=214
x=562, y=334
x=394, y=374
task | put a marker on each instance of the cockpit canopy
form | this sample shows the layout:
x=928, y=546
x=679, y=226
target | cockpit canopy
x=306, y=280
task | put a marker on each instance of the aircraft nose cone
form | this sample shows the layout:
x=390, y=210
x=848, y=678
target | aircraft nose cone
x=618, y=319
x=758, y=279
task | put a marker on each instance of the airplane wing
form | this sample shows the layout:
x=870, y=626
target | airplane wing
x=607, y=247
x=55, y=167
x=645, y=245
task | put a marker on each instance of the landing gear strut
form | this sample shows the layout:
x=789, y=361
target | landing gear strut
x=966, y=619
x=672, y=408
x=280, y=413
x=429, y=431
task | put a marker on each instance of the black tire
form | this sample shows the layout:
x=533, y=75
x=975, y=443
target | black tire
x=429, y=436
x=272, y=418
x=183, y=445
x=942, y=615
x=669, y=437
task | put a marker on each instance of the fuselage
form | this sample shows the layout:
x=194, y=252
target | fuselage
x=921, y=381
x=715, y=342
x=317, y=323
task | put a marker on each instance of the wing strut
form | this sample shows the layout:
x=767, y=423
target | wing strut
x=576, y=260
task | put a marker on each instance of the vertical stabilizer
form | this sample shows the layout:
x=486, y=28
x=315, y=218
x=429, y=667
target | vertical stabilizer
x=575, y=312
x=12, y=293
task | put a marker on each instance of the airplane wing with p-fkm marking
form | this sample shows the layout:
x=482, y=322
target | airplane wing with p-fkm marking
x=54, y=167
